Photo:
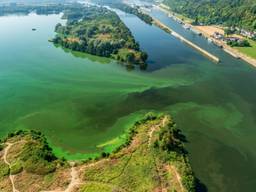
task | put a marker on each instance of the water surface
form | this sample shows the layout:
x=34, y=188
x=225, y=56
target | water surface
x=80, y=101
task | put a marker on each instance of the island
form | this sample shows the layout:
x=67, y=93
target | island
x=152, y=158
x=99, y=31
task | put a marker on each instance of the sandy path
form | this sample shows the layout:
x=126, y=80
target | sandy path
x=11, y=177
x=177, y=176
x=74, y=182
x=153, y=129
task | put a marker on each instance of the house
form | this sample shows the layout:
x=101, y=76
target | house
x=233, y=39
x=248, y=34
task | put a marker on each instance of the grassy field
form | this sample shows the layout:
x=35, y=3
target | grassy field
x=145, y=163
x=250, y=51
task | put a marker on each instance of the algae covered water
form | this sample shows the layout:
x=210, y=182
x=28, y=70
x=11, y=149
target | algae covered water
x=81, y=102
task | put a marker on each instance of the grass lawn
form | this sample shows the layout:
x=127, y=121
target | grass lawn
x=250, y=51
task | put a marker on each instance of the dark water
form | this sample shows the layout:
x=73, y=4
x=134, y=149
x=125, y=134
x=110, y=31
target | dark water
x=217, y=112
x=80, y=101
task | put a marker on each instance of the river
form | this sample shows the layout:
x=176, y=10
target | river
x=80, y=101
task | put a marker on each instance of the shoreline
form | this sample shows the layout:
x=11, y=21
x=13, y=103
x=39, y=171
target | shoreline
x=169, y=30
x=231, y=51
x=139, y=153
x=181, y=38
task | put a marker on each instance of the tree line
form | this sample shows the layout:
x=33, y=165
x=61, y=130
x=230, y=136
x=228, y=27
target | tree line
x=238, y=13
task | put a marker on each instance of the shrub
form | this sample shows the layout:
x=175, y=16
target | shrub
x=4, y=169
x=16, y=168
x=1, y=147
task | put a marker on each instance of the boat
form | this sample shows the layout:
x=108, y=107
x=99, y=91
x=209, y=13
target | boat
x=209, y=40
x=186, y=26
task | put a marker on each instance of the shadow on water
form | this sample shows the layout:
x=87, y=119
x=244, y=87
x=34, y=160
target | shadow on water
x=200, y=187
x=93, y=58
x=102, y=60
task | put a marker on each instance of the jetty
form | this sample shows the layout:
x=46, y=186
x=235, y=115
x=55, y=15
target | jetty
x=191, y=44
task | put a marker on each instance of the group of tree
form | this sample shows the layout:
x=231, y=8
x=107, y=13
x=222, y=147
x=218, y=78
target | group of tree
x=98, y=31
x=135, y=11
x=240, y=13
x=25, y=9
x=118, y=4
x=239, y=43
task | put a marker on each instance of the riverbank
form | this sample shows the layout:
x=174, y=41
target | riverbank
x=167, y=29
x=207, y=32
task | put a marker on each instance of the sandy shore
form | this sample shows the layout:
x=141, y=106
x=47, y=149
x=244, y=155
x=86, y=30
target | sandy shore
x=208, y=31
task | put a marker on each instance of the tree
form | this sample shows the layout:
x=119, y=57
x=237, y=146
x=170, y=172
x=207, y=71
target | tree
x=144, y=56
x=130, y=57
x=228, y=31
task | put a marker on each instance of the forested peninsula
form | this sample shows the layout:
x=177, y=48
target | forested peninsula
x=240, y=13
x=99, y=31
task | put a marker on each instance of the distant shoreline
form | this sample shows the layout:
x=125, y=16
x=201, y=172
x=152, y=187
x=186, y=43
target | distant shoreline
x=231, y=51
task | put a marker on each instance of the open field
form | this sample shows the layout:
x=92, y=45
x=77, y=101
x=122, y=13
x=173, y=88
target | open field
x=210, y=30
x=250, y=51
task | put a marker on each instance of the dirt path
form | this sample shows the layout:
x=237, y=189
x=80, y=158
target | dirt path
x=177, y=176
x=170, y=168
x=11, y=177
x=150, y=135
x=74, y=181
x=153, y=129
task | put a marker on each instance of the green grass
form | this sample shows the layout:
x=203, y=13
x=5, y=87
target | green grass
x=91, y=187
x=35, y=155
x=4, y=169
x=140, y=166
x=125, y=171
x=16, y=168
x=250, y=51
